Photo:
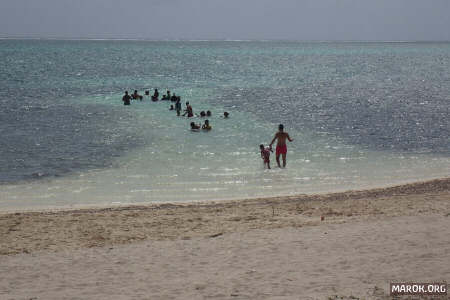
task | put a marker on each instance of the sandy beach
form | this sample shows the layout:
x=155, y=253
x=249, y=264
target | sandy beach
x=348, y=245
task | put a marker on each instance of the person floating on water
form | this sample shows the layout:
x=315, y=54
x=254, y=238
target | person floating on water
x=206, y=126
x=195, y=127
x=155, y=95
x=189, y=112
x=208, y=113
x=225, y=115
x=281, y=148
x=178, y=107
x=265, y=155
x=126, y=98
x=202, y=114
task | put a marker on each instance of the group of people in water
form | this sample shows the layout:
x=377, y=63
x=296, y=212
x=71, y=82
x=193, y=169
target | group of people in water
x=188, y=112
x=281, y=136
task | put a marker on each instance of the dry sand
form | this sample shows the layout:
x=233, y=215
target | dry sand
x=274, y=248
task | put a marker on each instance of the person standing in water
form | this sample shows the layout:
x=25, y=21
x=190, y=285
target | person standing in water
x=265, y=155
x=189, y=112
x=178, y=107
x=126, y=98
x=155, y=95
x=281, y=149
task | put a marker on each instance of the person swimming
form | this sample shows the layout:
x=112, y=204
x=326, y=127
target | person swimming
x=208, y=113
x=202, y=114
x=195, y=127
x=225, y=115
x=206, y=126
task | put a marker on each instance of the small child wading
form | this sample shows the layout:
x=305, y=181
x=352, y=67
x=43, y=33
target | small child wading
x=265, y=155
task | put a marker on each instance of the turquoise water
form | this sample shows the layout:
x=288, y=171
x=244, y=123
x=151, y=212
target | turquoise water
x=361, y=115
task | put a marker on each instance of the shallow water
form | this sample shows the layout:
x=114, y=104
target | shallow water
x=361, y=115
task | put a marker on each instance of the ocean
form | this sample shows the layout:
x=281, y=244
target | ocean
x=362, y=114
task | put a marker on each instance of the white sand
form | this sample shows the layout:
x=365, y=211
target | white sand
x=358, y=258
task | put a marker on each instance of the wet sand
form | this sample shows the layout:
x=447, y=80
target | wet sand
x=271, y=248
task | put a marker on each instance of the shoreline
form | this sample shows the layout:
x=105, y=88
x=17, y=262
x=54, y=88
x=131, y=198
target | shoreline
x=80, y=207
x=55, y=230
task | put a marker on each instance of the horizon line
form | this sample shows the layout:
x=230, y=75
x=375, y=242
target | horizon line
x=6, y=37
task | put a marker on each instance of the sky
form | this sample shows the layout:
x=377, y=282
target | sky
x=398, y=20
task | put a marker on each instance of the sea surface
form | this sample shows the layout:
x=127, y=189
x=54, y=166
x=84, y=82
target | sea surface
x=361, y=115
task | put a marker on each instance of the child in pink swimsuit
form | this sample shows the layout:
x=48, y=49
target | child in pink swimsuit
x=265, y=155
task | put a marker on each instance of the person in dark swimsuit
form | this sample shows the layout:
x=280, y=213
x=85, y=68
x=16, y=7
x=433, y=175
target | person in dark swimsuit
x=126, y=98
